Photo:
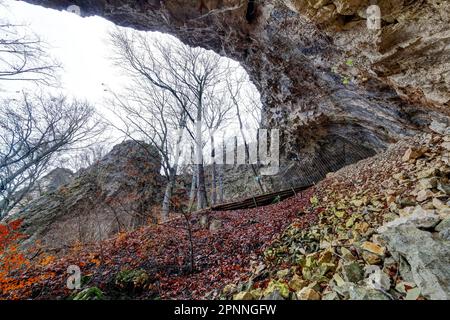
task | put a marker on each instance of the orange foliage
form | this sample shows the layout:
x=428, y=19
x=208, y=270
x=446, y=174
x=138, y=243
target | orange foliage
x=45, y=261
x=14, y=283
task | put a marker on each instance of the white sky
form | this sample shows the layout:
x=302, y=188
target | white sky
x=80, y=44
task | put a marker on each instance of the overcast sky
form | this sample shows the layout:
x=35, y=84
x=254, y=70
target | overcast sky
x=80, y=44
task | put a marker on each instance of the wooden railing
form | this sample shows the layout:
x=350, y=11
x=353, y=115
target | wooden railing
x=259, y=201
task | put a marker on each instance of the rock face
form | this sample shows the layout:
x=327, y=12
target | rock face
x=55, y=179
x=50, y=182
x=338, y=90
x=115, y=194
x=428, y=257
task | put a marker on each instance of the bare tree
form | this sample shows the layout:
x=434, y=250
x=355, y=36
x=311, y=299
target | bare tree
x=192, y=192
x=23, y=55
x=186, y=73
x=250, y=107
x=216, y=114
x=84, y=158
x=33, y=132
x=153, y=115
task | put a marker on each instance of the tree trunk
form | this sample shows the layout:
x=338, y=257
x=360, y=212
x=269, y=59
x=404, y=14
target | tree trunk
x=201, y=189
x=247, y=153
x=193, y=189
x=168, y=195
x=221, y=184
x=213, y=173
x=255, y=173
x=172, y=176
x=191, y=242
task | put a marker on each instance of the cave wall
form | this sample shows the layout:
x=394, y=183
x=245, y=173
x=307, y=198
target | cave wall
x=325, y=79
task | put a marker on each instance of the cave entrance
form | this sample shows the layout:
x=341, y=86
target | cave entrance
x=84, y=41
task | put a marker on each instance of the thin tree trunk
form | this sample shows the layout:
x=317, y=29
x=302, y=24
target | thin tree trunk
x=168, y=195
x=221, y=184
x=247, y=153
x=213, y=173
x=172, y=176
x=191, y=242
x=201, y=189
x=193, y=189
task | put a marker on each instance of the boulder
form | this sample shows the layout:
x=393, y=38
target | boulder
x=281, y=287
x=424, y=195
x=274, y=295
x=378, y=279
x=446, y=145
x=373, y=248
x=444, y=188
x=438, y=204
x=439, y=127
x=428, y=173
x=363, y=293
x=412, y=294
x=420, y=218
x=404, y=286
x=372, y=253
x=428, y=257
x=444, y=229
x=203, y=220
x=427, y=183
x=215, y=225
x=444, y=212
x=443, y=225
x=330, y=296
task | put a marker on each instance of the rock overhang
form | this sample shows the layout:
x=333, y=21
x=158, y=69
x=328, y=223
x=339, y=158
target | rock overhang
x=315, y=63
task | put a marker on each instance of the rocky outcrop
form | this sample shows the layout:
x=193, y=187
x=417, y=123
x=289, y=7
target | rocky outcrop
x=115, y=194
x=326, y=80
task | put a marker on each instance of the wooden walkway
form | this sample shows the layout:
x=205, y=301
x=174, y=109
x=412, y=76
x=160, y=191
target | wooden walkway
x=259, y=201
